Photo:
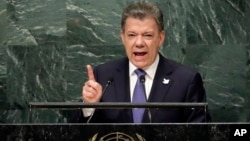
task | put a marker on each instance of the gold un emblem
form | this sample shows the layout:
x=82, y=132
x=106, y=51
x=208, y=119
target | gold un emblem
x=117, y=136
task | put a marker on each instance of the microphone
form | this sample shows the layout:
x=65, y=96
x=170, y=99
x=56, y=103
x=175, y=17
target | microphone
x=110, y=80
x=142, y=80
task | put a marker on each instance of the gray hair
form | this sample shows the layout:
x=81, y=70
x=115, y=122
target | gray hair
x=141, y=10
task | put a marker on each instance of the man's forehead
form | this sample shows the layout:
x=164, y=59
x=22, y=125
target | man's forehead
x=141, y=20
x=146, y=22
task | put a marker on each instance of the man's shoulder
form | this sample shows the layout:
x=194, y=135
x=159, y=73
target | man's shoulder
x=179, y=67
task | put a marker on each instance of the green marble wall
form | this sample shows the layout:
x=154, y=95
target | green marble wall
x=46, y=44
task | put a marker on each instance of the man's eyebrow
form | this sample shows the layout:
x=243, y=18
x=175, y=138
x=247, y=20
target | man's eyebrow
x=131, y=32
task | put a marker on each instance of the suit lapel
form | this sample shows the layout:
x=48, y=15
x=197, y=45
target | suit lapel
x=122, y=82
x=162, y=81
x=161, y=84
x=122, y=87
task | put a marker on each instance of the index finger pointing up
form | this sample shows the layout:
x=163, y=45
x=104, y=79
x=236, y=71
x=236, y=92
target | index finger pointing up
x=90, y=73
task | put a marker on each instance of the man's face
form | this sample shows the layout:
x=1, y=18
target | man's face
x=142, y=40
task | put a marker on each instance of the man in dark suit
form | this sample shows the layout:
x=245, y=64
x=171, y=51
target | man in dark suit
x=164, y=80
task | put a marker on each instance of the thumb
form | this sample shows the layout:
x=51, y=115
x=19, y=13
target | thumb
x=90, y=73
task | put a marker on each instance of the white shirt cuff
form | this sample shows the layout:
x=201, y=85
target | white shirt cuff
x=87, y=111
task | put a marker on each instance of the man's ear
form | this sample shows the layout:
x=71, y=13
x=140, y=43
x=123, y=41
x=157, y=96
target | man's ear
x=162, y=37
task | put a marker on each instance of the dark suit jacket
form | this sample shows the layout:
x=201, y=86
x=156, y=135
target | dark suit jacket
x=185, y=85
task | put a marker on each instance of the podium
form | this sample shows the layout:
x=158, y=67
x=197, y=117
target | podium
x=119, y=131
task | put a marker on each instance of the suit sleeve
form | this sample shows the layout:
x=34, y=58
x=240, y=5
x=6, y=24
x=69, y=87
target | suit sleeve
x=77, y=117
x=196, y=93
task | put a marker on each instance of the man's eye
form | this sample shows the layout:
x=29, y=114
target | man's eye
x=131, y=35
x=148, y=35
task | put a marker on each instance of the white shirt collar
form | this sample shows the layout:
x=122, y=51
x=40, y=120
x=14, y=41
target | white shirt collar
x=151, y=70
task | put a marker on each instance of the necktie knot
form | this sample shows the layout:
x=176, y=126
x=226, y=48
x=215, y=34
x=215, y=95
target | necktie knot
x=140, y=72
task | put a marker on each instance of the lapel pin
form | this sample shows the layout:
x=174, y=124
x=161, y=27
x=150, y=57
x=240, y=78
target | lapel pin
x=165, y=81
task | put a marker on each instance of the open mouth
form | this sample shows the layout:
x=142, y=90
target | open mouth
x=140, y=53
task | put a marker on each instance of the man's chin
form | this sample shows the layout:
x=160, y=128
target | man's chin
x=140, y=64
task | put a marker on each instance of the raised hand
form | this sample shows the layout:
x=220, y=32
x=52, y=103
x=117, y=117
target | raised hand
x=92, y=90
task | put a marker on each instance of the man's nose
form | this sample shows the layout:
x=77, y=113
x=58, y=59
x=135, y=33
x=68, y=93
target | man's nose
x=139, y=41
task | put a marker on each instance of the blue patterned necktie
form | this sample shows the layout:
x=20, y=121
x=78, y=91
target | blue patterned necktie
x=139, y=96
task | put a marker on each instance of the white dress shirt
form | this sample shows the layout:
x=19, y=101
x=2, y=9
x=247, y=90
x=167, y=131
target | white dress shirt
x=149, y=77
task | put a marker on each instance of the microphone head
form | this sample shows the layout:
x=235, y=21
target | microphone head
x=142, y=79
x=110, y=80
